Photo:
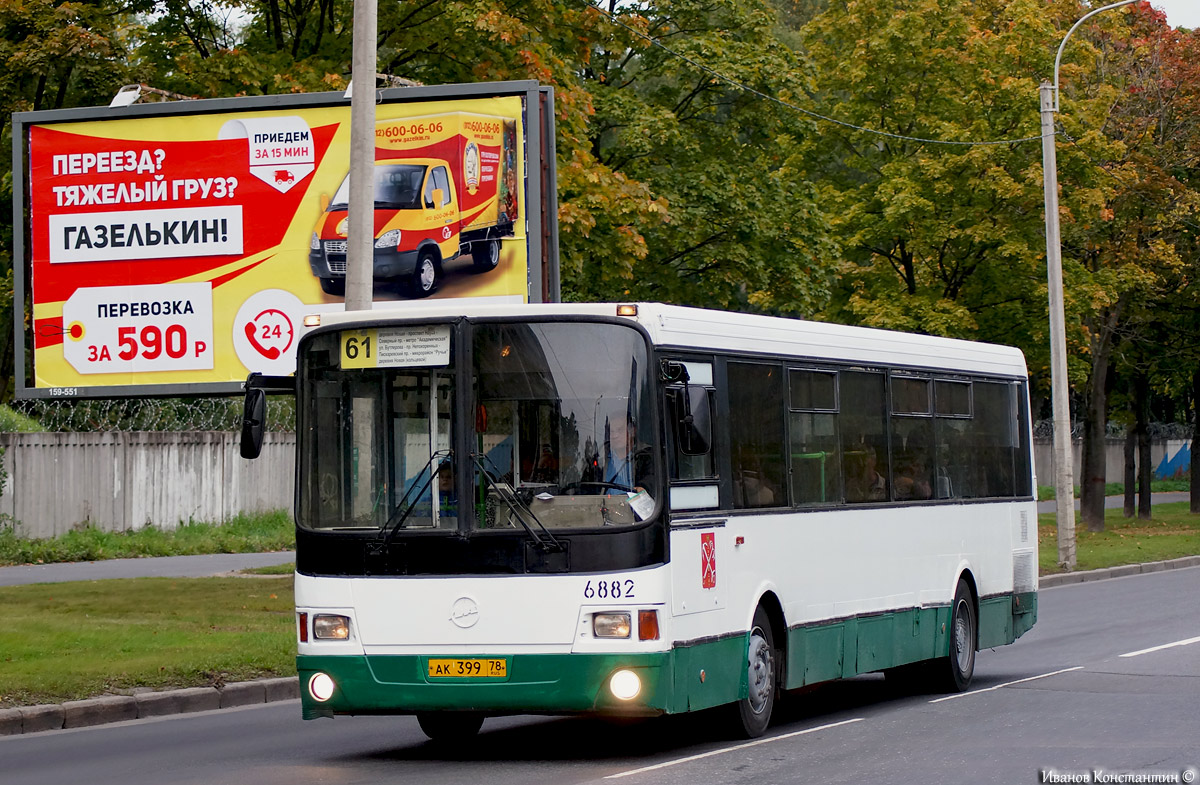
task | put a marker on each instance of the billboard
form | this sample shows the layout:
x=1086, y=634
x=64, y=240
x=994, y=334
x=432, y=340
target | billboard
x=174, y=248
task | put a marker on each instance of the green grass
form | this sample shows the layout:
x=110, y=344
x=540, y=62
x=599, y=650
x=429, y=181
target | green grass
x=272, y=531
x=65, y=641
x=1171, y=532
x=1047, y=493
x=13, y=421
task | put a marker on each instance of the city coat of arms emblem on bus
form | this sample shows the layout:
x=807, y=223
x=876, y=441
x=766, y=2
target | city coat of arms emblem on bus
x=708, y=560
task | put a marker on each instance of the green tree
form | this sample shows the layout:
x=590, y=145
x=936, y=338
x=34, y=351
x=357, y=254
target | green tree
x=1122, y=230
x=56, y=54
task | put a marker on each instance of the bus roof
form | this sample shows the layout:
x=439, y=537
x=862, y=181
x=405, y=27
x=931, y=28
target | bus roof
x=700, y=329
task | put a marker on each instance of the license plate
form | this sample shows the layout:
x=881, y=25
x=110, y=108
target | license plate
x=474, y=668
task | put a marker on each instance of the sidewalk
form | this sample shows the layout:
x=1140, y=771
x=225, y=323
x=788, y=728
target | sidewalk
x=203, y=566
x=1117, y=502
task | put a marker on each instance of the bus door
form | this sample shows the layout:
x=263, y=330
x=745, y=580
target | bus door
x=698, y=541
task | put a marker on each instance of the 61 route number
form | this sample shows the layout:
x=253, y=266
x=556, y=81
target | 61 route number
x=609, y=590
x=150, y=342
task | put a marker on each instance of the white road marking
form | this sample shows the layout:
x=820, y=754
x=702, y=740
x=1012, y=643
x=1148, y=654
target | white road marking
x=1164, y=646
x=1006, y=684
x=709, y=754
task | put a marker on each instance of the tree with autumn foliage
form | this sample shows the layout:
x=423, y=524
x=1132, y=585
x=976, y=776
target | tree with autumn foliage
x=1126, y=143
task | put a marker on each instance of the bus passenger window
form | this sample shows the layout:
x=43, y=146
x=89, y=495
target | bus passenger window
x=862, y=421
x=756, y=428
x=816, y=476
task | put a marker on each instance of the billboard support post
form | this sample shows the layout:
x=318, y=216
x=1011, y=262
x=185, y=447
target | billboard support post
x=359, y=284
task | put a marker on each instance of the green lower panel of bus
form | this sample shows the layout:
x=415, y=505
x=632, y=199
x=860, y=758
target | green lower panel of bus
x=864, y=644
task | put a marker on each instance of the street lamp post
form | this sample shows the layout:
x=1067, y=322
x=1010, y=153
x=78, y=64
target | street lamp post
x=1064, y=485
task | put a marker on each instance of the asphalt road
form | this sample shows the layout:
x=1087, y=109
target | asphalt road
x=1062, y=698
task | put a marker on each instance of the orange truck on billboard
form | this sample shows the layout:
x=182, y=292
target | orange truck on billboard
x=445, y=186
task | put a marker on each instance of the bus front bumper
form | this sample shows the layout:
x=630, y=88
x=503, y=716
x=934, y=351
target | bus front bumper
x=535, y=684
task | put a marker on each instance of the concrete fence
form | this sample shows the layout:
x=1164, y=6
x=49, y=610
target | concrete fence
x=121, y=481
x=1114, y=457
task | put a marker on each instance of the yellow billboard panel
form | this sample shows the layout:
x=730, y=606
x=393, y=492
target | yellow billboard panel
x=186, y=249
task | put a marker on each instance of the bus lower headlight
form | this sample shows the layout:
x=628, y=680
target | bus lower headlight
x=329, y=627
x=610, y=625
x=625, y=685
x=320, y=686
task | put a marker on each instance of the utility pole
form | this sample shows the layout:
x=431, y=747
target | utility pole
x=1064, y=476
x=360, y=250
x=1064, y=481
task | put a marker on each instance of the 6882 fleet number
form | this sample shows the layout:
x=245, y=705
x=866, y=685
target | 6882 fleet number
x=613, y=589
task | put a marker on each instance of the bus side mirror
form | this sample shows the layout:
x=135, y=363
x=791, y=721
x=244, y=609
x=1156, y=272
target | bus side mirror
x=324, y=203
x=439, y=198
x=254, y=417
x=693, y=420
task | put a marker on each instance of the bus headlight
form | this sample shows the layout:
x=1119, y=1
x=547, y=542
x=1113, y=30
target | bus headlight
x=328, y=627
x=611, y=625
x=625, y=685
x=315, y=244
x=320, y=686
x=389, y=239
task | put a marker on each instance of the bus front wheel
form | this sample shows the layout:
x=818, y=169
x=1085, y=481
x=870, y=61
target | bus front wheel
x=448, y=726
x=754, y=711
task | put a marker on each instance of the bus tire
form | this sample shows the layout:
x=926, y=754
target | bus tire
x=753, y=713
x=425, y=278
x=485, y=255
x=447, y=726
x=953, y=673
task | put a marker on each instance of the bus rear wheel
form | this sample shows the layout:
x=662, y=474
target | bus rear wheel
x=753, y=713
x=958, y=668
x=954, y=671
x=446, y=726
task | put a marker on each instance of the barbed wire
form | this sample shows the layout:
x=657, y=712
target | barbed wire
x=141, y=414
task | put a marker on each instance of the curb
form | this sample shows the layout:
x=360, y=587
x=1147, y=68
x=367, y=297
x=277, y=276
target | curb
x=118, y=708
x=1067, y=578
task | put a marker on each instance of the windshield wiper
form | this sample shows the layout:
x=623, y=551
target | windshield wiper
x=400, y=514
x=546, y=541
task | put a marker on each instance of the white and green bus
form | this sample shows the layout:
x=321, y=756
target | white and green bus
x=646, y=509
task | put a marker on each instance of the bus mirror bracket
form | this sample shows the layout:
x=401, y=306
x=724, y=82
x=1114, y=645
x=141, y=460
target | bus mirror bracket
x=254, y=409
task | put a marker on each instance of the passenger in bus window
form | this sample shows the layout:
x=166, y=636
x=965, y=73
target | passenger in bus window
x=864, y=483
x=750, y=485
x=912, y=477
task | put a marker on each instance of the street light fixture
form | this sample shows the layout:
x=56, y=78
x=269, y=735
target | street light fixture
x=1063, y=472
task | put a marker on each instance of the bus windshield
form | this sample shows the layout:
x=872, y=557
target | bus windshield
x=559, y=432
x=563, y=419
